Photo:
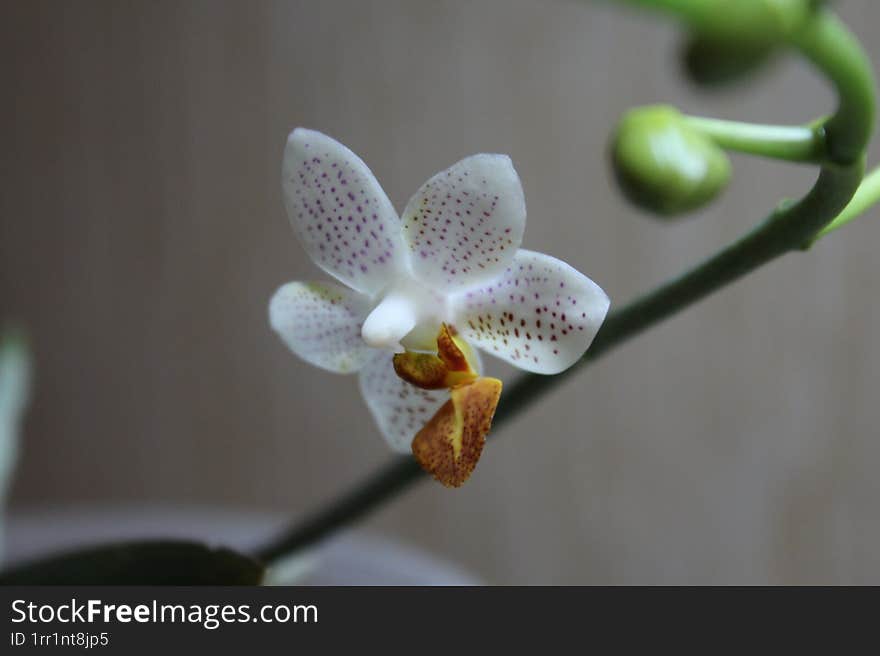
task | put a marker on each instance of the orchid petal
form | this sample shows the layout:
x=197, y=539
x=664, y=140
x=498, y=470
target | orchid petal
x=400, y=409
x=321, y=323
x=464, y=225
x=340, y=213
x=541, y=315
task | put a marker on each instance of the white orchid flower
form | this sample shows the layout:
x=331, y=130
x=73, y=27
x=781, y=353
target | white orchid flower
x=450, y=265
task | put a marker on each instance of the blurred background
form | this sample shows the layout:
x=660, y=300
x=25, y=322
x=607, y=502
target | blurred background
x=142, y=233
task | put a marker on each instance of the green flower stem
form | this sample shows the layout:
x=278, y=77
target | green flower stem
x=866, y=195
x=833, y=49
x=749, y=20
x=791, y=143
x=828, y=44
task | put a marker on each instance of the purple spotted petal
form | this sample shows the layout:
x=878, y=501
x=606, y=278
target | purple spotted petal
x=464, y=225
x=321, y=323
x=340, y=212
x=541, y=315
x=401, y=410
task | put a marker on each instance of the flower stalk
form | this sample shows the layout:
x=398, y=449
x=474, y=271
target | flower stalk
x=795, y=143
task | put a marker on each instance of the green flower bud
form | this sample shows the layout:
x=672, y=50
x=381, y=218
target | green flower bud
x=713, y=62
x=665, y=166
x=734, y=37
x=749, y=21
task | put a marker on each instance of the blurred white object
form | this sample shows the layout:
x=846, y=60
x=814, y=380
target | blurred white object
x=353, y=558
x=15, y=374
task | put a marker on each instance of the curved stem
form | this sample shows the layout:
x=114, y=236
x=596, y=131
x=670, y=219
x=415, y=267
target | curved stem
x=833, y=49
x=828, y=44
x=719, y=16
x=791, y=143
x=867, y=195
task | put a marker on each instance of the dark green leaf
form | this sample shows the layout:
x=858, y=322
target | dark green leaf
x=152, y=562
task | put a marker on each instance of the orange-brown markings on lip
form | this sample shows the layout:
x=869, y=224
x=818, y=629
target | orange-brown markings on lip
x=447, y=369
x=424, y=370
x=449, y=351
x=450, y=444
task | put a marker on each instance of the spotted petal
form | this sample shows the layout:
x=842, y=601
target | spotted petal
x=321, y=323
x=340, y=212
x=541, y=315
x=464, y=225
x=400, y=409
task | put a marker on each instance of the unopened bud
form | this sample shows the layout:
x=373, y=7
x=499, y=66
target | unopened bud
x=665, y=166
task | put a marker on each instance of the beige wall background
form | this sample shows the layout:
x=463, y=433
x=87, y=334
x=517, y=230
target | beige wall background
x=142, y=233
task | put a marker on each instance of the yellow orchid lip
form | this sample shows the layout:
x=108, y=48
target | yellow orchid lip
x=427, y=371
x=446, y=369
x=451, y=442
